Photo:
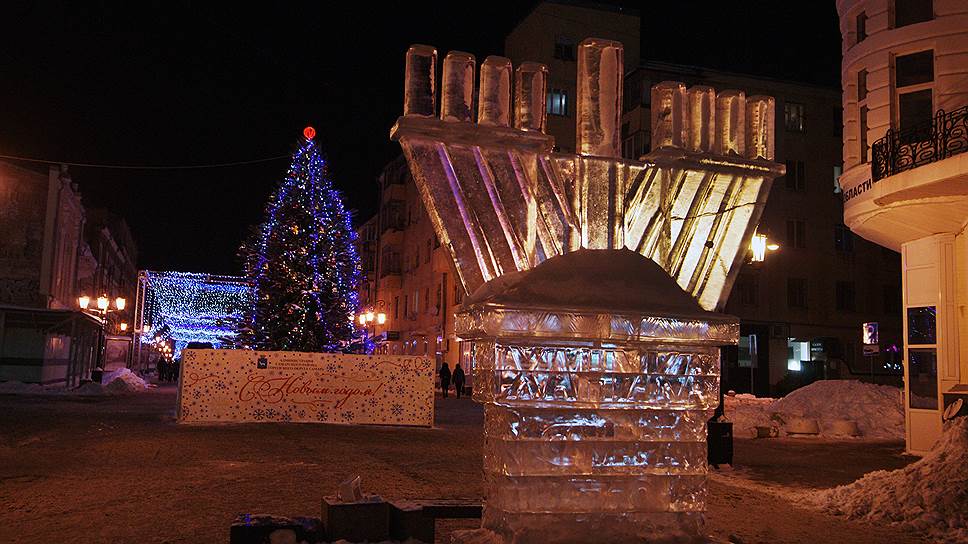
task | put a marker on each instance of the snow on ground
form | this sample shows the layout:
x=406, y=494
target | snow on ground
x=117, y=382
x=876, y=409
x=930, y=495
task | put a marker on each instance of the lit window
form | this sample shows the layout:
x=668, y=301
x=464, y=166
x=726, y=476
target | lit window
x=793, y=116
x=797, y=352
x=557, y=102
x=838, y=171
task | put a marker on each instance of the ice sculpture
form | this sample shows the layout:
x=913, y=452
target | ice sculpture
x=591, y=327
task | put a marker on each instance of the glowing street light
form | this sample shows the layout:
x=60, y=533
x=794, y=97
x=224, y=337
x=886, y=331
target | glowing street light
x=119, y=303
x=123, y=326
x=759, y=245
x=83, y=301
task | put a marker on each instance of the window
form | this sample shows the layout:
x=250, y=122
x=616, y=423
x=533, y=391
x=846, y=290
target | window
x=861, y=85
x=564, y=48
x=427, y=299
x=922, y=359
x=747, y=289
x=864, y=151
x=635, y=145
x=909, y=12
x=458, y=294
x=797, y=353
x=557, y=102
x=914, y=109
x=914, y=69
x=797, y=293
x=843, y=238
x=427, y=256
x=796, y=233
x=913, y=76
x=838, y=171
x=860, y=25
x=793, y=116
x=396, y=308
x=845, y=296
x=795, y=176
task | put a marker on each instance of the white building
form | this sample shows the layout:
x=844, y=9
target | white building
x=905, y=180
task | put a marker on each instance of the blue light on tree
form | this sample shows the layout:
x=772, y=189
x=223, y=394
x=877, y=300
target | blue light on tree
x=302, y=264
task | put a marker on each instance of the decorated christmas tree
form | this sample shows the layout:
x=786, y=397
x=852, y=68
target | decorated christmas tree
x=303, y=264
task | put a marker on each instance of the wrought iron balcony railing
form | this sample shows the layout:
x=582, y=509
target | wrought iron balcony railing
x=944, y=136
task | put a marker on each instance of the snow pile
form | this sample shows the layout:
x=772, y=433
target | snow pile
x=118, y=382
x=930, y=495
x=20, y=388
x=876, y=409
x=123, y=381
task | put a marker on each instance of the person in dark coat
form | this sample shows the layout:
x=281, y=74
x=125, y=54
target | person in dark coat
x=444, y=378
x=458, y=379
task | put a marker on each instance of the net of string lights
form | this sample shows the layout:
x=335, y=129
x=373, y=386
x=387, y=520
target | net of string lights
x=190, y=307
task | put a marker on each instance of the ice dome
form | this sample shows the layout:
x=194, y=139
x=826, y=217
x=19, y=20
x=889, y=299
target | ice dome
x=612, y=280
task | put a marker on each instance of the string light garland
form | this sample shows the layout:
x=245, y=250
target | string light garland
x=190, y=307
x=303, y=265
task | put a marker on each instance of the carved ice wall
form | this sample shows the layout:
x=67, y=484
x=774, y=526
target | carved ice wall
x=501, y=200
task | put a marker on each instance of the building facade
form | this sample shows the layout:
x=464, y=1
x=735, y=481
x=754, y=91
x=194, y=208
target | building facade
x=905, y=181
x=413, y=282
x=43, y=338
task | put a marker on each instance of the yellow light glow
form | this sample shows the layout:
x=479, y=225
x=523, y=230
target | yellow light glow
x=123, y=326
x=84, y=301
x=381, y=318
x=102, y=303
x=773, y=246
x=758, y=247
x=119, y=303
x=369, y=316
x=362, y=319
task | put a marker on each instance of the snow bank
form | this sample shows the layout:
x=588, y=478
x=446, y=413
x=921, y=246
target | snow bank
x=877, y=409
x=930, y=495
x=122, y=381
x=118, y=382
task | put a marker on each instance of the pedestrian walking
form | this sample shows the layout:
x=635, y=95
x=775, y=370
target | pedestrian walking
x=444, y=378
x=458, y=379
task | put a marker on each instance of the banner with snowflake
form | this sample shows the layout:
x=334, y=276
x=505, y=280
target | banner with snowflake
x=220, y=385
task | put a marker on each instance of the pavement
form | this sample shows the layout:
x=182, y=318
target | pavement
x=120, y=469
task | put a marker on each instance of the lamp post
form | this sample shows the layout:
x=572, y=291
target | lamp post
x=373, y=314
x=101, y=310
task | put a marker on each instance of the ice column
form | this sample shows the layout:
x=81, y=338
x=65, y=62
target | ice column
x=418, y=94
x=759, y=135
x=600, y=69
x=457, y=94
x=599, y=193
x=702, y=118
x=494, y=101
x=731, y=123
x=530, y=83
x=668, y=103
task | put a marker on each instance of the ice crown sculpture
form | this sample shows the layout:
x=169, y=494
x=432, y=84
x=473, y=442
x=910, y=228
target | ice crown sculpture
x=589, y=329
x=691, y=205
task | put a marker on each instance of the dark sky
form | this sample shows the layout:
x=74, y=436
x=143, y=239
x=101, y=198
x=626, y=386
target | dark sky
x=188, y=83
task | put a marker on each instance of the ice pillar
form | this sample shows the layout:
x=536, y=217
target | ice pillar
x=418, y=94
x=668, y=107
x=530, y=82
x=759, y=135
x=494, y=102
x=731, y=123
x=457, y=93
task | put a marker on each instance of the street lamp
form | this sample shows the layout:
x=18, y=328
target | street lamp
x=759, y=245
x=103, y=308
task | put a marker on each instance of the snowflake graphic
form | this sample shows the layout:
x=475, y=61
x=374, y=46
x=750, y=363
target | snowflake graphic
x=331, y=367
x=258, y=414
x=397, y=409
x=346, y=415
x=196, y=394
x=270, y=413
x=287, y=417
x=401, y=390
x=301, y=414
x=322, y=415
x=373, y=402
x=221, y=385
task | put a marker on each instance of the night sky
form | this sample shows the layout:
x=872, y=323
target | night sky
x=185, y=83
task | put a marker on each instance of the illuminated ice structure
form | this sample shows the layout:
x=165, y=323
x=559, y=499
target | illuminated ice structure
x=591, y=326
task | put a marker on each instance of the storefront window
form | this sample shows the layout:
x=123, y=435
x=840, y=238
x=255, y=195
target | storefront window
x=921, y=326
x=923, y=377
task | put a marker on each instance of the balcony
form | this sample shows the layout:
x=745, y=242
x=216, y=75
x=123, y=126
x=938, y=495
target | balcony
x=944, y=136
